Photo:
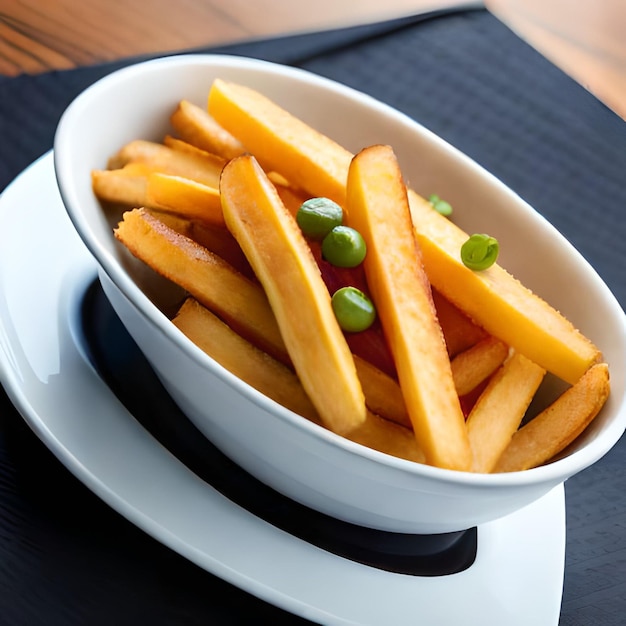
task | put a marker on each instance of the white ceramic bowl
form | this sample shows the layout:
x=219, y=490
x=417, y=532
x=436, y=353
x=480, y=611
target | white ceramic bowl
x=297, y=458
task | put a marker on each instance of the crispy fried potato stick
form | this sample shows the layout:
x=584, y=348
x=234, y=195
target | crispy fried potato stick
x=205, y=276
x=219, y=240
x=497, y=301
x=474, y=365
x=292, y=198
x=126, y=185
x=470, y=368
x=276, y=249
x=243, y=359
x=198, y=128
x=500, y=408
x=383, y=395
x=216, y=239
x=199, y=166
x=185, y=197
x=377, y=207
x=281, y=142
x=493, y=298
x=459, y=330
x=180, y=224
x=388, y=437
x=558, y=425
x=280, y=383
x=175, y=143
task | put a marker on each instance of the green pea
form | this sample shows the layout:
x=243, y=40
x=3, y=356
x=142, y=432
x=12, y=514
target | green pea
x=344, y=247
x=441, y=206
x=354, y=311
x=479, y=252
x=318, y=216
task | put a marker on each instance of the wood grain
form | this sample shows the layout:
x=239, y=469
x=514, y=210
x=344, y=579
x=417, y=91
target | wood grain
x=38, y=36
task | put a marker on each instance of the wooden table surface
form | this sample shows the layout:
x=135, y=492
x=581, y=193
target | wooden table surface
x=584, y=37
x=36, y=36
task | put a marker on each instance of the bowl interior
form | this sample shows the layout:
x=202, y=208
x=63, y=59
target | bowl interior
x=136, y=103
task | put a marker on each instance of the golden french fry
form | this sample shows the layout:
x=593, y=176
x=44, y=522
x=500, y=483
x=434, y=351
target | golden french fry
x=281, y=142
x=197, y=127
x=474, y=365
x=497, y=301
x=126, y=185
x=246, y=361
x=377, y=207
x=383, y=395
x=201, y=167
x=180, y=224
x=185, y=197
x=276, y=249
x=207, y=277
x=459, y=331
x=559, y=424
x=292, y=198
x=175, y=143
x=388, y=437
x=136, y=151
x=216, y=239
x=500, y=409
x=219, y=240
x=278, y=382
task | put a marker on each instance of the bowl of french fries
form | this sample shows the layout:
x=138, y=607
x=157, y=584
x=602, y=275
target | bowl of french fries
x=464, y=361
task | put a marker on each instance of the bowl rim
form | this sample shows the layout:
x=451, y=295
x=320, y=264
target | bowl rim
x=555, y=471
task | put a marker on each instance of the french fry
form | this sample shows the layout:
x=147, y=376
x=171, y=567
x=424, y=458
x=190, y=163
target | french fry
x=552, y=430
x=135, y=151
x=497, y=301
x=276, y=249
x=216, y=239
x=493, y=298
x=459, y=330
x=185, y=197
x=388, y=437
x=201, y=167
x=181, y=225
x=197, y=127
x=176, y=143
x=474, y=365
x=240, y=357
x=207, y=277
x=377, y=207
x=383, y=395
x=497, y=414
x=292, y=198
x=281, y=142
x=219, y=241
x=126, y=185
x=280, y=383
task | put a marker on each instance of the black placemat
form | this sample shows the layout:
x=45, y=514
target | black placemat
x=66, y=558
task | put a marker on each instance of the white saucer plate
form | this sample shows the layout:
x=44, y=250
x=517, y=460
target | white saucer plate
x=517, y=576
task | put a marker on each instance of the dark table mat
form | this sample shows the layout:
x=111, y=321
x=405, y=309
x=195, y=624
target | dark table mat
x=66, y=558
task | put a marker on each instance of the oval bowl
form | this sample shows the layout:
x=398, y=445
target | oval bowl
x=299, y=459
